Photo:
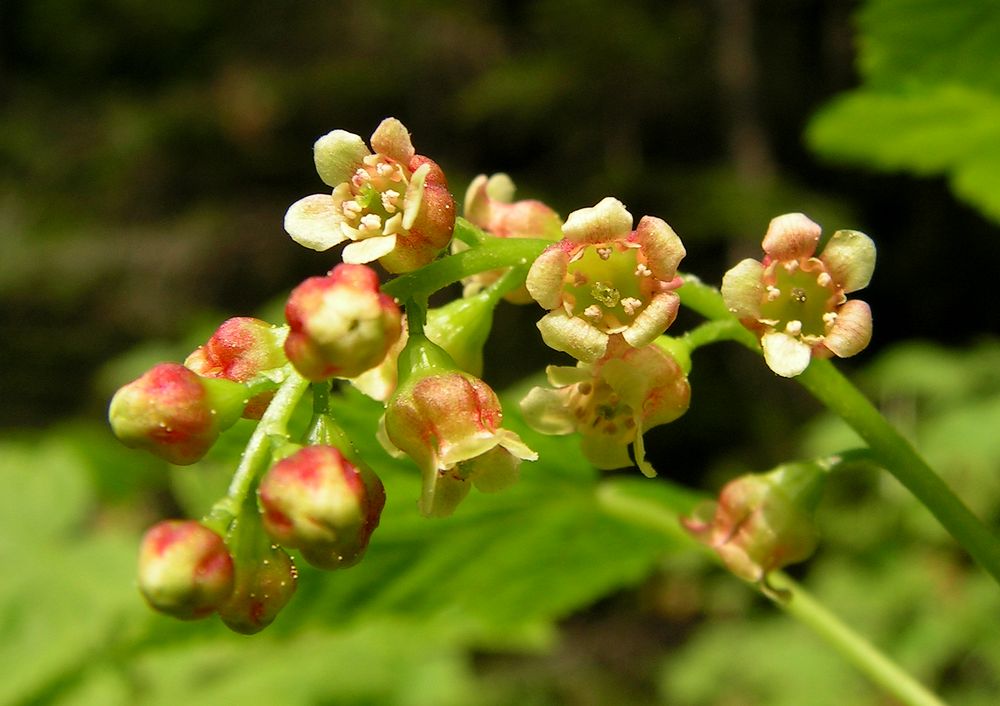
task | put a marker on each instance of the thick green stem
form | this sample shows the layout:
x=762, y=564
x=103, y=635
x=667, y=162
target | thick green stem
x=272, y=426
x=896, y=454
x=891, y=450
x=642, y=511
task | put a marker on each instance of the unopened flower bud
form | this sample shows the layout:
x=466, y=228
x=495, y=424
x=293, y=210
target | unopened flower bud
x=764, y=521
x=263, y=586
x=242, y=349
x=450, y=424
x=340, y=325
x=184, y=569
x=175, y=413
x=318, y=501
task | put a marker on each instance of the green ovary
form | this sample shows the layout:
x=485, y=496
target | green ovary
x=605, y=283
x=800, y=297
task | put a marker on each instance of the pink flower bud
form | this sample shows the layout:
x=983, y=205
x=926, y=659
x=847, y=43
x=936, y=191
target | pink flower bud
x=340, y=325
x=241, y=349
x=763, y=522
x=450, y=424
x=174, y=413
x=795, y=299
x=318, y=501
x=184, y=569
x=262, y=587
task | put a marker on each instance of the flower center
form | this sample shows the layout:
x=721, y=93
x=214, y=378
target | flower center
x=599, y=409
x=376, y=195
x=799, y=297
x=604, y=285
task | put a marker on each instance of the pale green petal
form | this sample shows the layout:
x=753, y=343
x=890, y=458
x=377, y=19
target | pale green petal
x=414, y=195
x=314, y=222
x=661, y=246
x=500, y=187
x=369, y=249
x=785, y=355
x=546, y=412
x=653, y=320
x=743, y=289
x=494, y=471
x=338, y=155
x=852, y=329
x=639, y=449
x=563, y=375
x=608, y=220
x=791, y=236
x=513, y=443
x=604, y=455
x=392, y=139
x=442, y=492
x=572, y=335
x=476, y=206
x=546, y=275
x=850, y=259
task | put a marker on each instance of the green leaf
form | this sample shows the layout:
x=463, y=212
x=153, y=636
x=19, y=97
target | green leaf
x=930, y=100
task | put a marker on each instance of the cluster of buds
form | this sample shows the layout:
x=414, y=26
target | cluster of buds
x=609, y=294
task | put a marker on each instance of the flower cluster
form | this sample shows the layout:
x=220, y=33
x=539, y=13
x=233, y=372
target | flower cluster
x=609, y=292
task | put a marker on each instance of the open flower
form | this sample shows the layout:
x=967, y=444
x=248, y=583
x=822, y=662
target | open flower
x=611, y=403
x=603, y=279
x=450, y=423
x=796, y=299
x=489, y=204
x=392, y=204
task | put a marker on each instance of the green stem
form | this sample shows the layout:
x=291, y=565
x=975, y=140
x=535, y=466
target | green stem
x=796, y=601
x=272, y=427
x=492, y=255
x=895, y=453
x=891, y=450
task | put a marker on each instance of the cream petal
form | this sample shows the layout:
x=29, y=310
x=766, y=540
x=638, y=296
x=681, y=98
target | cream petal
x=500, y=187
x=494, y=471
x=791, y=236
x=653, y=320
x=338, y=155
x=565, y=375
x=513, y=443
x=743, y=289
x=414, y=195
x=605, y=456
x=392, y=139
x=315, y=222
x=852, y=330
x=849, y=257
x=608, y=220
x=661, y=246
x=363, y=251
x=545, y=277
x=639, y=450
x=442, y=492
x=546, y=412
x=785, y=355
x=572, y=335
x=476, y=206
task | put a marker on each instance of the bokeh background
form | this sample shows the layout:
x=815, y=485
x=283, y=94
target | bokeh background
x=148, y=152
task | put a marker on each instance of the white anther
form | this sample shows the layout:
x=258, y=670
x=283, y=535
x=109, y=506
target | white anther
x=630, y=305
x=823, y=279
x=351, y=208
x=370, y=222
x=390, y=200
x=793, y=327
x=792, y=265
x=829, y=317
x=772, y=292
x=593, y=312
x=383, y=169
x=642, y=271
x=604, y=253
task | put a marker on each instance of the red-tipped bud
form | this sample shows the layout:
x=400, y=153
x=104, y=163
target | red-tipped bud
x=175, y=413
x=763, y=521
x=318, y=501
x=241, y=349
x=263, y=586
x=340, y=325
x=184, y=569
